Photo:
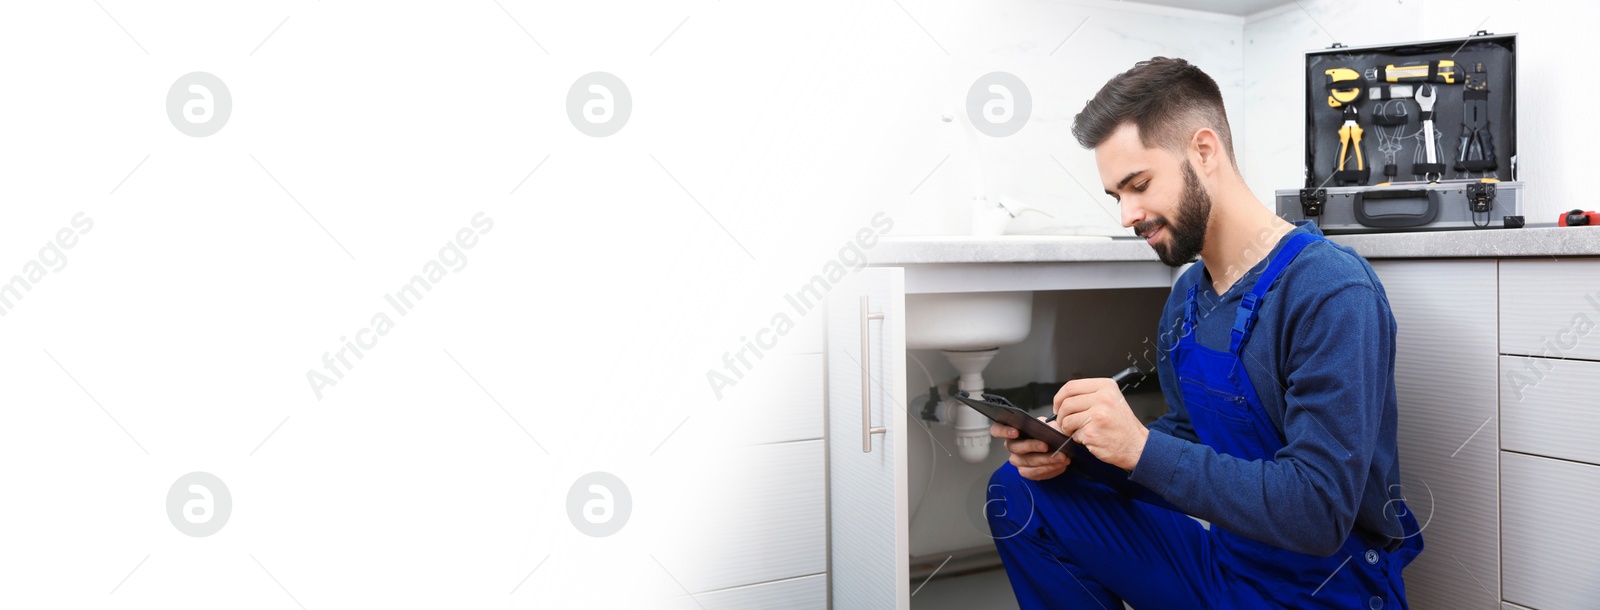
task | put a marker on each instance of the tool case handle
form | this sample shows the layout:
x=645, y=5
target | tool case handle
x=1397, y=221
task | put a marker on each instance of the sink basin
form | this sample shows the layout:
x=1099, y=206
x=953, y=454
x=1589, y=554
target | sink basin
x=968, y=321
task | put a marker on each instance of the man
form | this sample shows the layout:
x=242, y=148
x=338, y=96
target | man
x=1277, y=360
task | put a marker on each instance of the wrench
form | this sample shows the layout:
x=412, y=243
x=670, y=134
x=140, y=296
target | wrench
x=1425, y=97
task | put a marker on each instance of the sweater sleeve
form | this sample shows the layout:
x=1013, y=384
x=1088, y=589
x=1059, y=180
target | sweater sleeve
x=1306, y=497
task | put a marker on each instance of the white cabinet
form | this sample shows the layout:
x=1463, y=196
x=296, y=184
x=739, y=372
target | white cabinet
x=868, y=495
x=1549, y=483
x=1498, y=355
x=1508, y=529
x=1445, y=375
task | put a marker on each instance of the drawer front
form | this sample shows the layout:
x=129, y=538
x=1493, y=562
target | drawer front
x=763, y=520
x=1550, y=407
x=805, y=593
x=1550, y=308
x=1550, y=537
x=780, y=400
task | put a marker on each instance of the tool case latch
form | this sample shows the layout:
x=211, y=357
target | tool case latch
x=1336, y=45
x=1484, y=33
x=1312, y=200
x=1480, y=197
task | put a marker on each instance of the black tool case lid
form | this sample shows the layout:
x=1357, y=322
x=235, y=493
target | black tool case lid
x=1494, y=54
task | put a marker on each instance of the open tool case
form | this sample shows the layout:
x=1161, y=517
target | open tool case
x=1367, y=161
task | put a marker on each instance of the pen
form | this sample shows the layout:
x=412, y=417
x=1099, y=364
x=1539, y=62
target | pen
x=1117, y=378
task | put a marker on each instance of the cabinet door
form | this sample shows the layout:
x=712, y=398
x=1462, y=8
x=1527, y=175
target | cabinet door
x=867, y=492
x=1446, y=369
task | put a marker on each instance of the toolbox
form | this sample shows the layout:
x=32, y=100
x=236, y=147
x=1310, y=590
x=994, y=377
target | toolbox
x=1369, y=166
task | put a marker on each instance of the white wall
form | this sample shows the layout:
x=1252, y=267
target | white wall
x=1275, y=41
x=1019, y=36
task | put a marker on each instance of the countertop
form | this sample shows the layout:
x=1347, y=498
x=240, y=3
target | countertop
x=893, y=250
x=1485, y=243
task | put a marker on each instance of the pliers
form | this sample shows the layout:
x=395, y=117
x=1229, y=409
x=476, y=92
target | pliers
x=1350, y=133
x=1475, y=151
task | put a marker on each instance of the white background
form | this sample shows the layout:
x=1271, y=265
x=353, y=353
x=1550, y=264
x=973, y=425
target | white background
x=220, y=269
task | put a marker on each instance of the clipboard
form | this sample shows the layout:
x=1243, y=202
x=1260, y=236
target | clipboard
x=1082, y=463
x=1000, y=410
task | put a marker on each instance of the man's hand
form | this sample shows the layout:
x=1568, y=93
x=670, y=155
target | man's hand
x=1094, y=413
x=1032, y=459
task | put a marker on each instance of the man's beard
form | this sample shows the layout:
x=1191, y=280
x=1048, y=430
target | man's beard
x=1185, y=239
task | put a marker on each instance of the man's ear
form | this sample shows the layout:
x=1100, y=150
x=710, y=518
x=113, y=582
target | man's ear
x=1207, y=152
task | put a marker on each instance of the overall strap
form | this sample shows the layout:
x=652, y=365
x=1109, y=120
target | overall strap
x=1245, y=320
x=1190, y=311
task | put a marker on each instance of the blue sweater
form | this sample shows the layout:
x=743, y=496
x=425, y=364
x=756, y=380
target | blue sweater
x=1321, y=359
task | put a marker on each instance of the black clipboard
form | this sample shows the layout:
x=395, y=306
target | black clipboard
x=1000, y=410
x=1083, y=463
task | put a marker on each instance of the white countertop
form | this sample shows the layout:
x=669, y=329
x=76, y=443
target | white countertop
x=1485, y=243
x=1008, y=249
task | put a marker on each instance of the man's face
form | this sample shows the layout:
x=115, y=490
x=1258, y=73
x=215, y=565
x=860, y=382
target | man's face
x=1159, y=193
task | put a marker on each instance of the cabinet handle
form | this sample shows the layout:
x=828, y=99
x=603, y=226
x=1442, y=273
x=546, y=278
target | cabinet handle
x=867, y=429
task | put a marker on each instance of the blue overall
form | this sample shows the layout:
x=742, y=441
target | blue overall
x=1077, y=542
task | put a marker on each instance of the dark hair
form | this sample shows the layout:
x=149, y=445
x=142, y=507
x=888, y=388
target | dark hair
x=1168, y=99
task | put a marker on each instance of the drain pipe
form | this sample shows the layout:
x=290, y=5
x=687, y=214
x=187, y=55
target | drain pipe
x=972, y=428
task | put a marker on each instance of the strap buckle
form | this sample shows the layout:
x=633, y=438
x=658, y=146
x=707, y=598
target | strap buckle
x=1244, y=320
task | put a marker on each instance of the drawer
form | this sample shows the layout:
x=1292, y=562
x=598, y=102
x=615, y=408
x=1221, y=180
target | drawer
x=1550, y=308
x=779, y=401
x=1550, y=407
x=737, y=516
x=804, y=593
x=1549, y=533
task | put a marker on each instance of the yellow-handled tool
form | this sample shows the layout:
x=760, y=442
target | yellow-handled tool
x=1444, y=71
x=1350, y=133
x=1339, y=96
